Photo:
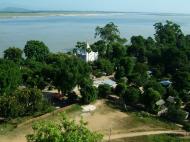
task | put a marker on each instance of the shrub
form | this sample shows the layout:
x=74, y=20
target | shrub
x=175, y=115
x=23, y=103
x=104, y=90
x=186, y=126
x=88, y=93
x=120, y=89
x=132, y=96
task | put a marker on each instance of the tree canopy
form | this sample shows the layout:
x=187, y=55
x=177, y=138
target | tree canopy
x=36, y=50
x=14, y=54
x=10, y=77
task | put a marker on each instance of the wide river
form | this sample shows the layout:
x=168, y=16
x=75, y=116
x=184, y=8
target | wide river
x=61, y=31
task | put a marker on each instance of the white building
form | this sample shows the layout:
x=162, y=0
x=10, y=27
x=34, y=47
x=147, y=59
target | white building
x=87, y=54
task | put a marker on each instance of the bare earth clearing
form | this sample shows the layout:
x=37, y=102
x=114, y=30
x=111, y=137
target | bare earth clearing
x=103, y=119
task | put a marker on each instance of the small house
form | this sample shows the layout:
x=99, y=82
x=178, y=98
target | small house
x=171, y=99
x=161, y=106
x=149, y=73
x=160, y=102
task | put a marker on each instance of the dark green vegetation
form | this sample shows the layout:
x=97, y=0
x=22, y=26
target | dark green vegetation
x=152, y=75
x=23, y=79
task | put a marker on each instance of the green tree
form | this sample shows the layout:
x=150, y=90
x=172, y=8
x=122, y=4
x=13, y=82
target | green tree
x=10, y=77
x=128, y=63
x=186, y=126
x=31, y=101
x=175, y=114
x=172, y=59
x=139, y=75
x=138, y=48
x=100, y=47
x=34, y=74
x=119, y=50
x=88, y=93
x=23, y=102
x=14, y=54
x=104, y=65
x=66, y=131
x=104, y=90
x=150, y=98
x=68, y=72
x=121, y=89
x=181, y=80
x=168, y=33
x=155, y=85
x=36, y=50
x=81, y=45
x=120, y=73
x=108, y=33
x=132, y=96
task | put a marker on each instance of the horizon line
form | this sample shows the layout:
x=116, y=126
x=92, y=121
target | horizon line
x=108, y=11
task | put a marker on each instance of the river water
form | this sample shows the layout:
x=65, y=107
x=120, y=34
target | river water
x=60, y=32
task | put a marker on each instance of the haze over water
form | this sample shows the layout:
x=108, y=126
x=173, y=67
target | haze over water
x=61, y=31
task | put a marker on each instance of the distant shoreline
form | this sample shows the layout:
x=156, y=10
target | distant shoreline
x=28, y=14
x=53, y=14
x=59, y=11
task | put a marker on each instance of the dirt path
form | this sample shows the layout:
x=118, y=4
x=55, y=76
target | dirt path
x=136, y=134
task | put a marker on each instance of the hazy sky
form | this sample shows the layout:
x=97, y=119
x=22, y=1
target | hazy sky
x=173, y=6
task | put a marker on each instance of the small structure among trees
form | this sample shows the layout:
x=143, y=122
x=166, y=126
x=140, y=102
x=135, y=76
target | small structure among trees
x=84, y=51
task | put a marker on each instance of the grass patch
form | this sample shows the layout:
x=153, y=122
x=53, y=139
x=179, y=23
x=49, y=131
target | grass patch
x=12, y=124
x=154, y=138
x=153, y=121
x=74, y=108
x=6, y=127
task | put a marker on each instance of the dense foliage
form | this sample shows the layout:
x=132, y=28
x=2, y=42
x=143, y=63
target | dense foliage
x=67, y=131
x=14, y=54
x=10, y=77
x=23, y=102
x=36, y=50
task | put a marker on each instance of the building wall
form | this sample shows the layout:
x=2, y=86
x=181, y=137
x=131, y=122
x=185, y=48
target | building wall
x=92, y=56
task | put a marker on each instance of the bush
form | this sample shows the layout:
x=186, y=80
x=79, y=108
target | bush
x=150, y=98
x=186, y=126
x=105, y=65
x=23, y=103
x=156, y=86
x=72, y=97
x=175, y=115
x=88, y=93
x=97, y=73
x=104, y=90
x=132, y=96
x=120, y=89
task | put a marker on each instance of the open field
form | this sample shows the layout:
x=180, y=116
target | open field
x=103, y=119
